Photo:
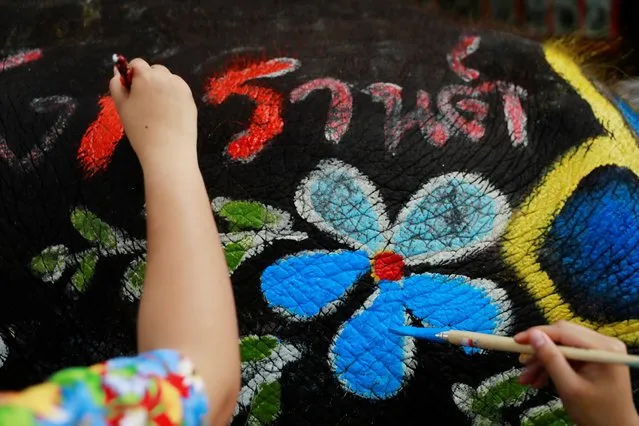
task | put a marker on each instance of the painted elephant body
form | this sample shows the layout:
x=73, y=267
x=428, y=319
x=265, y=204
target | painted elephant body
x=368, y=166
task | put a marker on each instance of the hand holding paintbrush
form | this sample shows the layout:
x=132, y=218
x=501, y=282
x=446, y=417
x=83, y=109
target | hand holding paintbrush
x=595, y=391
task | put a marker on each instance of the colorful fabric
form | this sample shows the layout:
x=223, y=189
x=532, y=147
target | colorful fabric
x=154, y=388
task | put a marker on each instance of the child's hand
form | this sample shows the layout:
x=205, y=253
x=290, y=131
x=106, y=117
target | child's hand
x=158, y=114
x=593, y=394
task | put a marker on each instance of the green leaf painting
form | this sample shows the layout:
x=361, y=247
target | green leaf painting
x=253, y=226
x=263, y=359
x=485, y=405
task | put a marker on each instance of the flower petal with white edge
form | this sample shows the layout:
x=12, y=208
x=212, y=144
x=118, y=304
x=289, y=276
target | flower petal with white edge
x=338, y=199
x=449, y=218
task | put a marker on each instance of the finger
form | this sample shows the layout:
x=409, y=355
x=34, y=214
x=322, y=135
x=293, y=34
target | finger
x=139, y=65
x=119, y=93
x=531, y=373
x=527, y=358
x=159, y=67
x=563, y=376
x=540, y=381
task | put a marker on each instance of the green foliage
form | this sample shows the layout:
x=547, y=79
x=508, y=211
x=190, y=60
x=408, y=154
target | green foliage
x=254, y=348
x=266, y=405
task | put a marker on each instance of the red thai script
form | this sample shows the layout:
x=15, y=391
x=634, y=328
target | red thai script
x=466, y=47
x=20, y=58
x=65, y=107
x=439, y=127
x=340, y=111
x=266, y=121
x=101, y=138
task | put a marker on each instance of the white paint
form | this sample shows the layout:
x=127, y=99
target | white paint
x=67, y=107
x=4, y=351
x=305, y=208
x=464, y=395
x=256, y=374
x=553, y=405
x=501, y=206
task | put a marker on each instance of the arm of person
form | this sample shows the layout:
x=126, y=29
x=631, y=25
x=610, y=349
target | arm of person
x=187, y=302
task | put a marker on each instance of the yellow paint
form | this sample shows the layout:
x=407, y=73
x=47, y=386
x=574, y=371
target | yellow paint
x=526, y=231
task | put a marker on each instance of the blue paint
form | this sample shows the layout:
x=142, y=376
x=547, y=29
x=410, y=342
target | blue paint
x=346, y=207
x=305, y=283
x=631, y=116
x=442, y=301
x=453, y=216
x=592, y=248
x=424, y=333
x=368, y=358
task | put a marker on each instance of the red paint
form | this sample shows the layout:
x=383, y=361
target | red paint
x=464, y=48
x=101, y=138
x=20, y=59
x=473, y=128
x=126, y=74
x=388, y=266
x=340, y=111
x=266, y=121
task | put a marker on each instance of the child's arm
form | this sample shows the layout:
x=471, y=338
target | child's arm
x=187, y=303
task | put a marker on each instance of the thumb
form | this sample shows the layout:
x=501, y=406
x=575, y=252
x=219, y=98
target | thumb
x=119, y=93
x=566, y=380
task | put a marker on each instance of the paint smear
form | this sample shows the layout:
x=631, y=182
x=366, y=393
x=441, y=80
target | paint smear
x=101, y=138
x=20, y=58
x=266, y=121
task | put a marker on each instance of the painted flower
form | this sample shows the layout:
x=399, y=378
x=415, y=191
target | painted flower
x=448, y=219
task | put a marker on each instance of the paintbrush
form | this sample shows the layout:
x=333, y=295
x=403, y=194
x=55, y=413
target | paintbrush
x=508, y=344
x=122, y=65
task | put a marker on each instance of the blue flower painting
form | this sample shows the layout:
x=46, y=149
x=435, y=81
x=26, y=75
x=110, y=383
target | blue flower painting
x=449, y=218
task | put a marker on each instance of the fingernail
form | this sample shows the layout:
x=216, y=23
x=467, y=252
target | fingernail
x=523, y=358
x=537, y=339
x=115, y=71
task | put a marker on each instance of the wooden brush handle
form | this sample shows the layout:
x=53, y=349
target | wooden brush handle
x=507, y=344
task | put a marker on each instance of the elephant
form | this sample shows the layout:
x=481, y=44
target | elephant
x=506, y=196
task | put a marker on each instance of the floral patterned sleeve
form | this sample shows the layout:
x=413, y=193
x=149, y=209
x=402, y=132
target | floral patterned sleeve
x=154, y=388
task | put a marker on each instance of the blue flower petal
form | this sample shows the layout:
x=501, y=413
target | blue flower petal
x=448, y=218
x=458, y=302
x=310, y=283
x=339, y=200
x=367, y=358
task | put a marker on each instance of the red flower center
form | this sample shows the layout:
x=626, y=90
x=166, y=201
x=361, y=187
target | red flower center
x=388, y=266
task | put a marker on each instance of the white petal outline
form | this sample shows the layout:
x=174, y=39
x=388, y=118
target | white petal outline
x=502, y=208
x=305, y=208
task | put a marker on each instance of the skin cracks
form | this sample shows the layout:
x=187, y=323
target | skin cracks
x=457, y=110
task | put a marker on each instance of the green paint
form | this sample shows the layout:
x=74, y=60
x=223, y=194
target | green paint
x=505, y=393
x=266, y=405
x=52, y=261
x=244, y=214
x=86, y=270
x=556, y=417
x=134, y=276
x=93, y=229
x=14, y=415
x=234, y=253
x=254, y=348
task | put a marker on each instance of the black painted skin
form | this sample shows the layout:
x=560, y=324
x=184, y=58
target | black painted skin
x=359, y=43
